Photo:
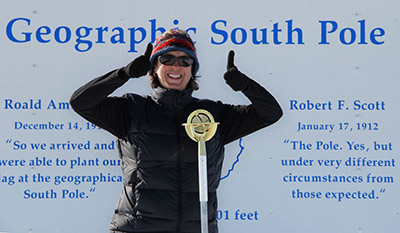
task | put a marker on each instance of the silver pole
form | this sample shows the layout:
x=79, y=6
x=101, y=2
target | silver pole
x=203, y=185
x=201, y=127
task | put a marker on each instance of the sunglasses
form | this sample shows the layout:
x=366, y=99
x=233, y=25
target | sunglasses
x=169, y=60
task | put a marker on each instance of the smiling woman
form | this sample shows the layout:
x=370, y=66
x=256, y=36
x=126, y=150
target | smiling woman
x=173, y=61
x=158, y=158
x=174, y=76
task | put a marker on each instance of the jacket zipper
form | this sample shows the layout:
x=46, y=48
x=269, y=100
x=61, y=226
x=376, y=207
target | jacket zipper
x=179, y=176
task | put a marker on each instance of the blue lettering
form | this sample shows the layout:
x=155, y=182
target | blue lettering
x=263, y=36
x=10, y=34
x=224, y=34
x=343, y=36
x=100, y=31
x=154, y=30
x=324, y=32
x=194, y=30
x=8, y=104
x=233, y=36
x=362, y=32
x=276, y=30
x=57, y=35
x=348, y=35
x=119, y=37
x=373, y=35
x=133, y=36
x=39, y=33
x=79, y=41
x=290, y=33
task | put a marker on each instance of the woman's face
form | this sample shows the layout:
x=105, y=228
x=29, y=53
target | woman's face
x=173, y=76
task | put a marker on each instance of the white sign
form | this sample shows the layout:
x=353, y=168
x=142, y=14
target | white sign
x=329, y=165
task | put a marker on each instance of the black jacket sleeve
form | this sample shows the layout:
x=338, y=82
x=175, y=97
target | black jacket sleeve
x=240, y=120
x=91, y=101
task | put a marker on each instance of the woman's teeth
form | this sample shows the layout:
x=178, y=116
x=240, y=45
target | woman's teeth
x=174, y=76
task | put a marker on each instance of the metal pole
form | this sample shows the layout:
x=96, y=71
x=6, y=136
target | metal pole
x=203, y=185
x=201, y=127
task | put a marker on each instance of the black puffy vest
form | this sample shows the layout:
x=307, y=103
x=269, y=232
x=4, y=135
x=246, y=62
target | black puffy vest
x=159, y=165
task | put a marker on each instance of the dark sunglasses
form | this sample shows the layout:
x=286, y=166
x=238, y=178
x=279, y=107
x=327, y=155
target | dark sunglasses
x=169, y=60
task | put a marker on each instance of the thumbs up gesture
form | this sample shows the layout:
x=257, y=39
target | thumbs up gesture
x=141, y=65
x=233, y=77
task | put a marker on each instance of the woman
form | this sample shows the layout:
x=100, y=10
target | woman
x=159, y=160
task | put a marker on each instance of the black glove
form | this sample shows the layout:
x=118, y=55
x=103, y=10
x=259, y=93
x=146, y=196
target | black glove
x=141, y=65
x=233, y=77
